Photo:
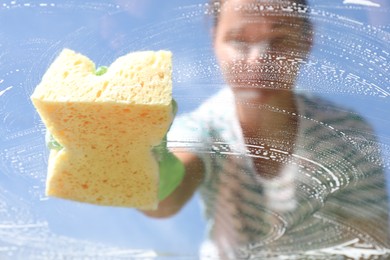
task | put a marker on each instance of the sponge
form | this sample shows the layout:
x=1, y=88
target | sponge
x=107, y=126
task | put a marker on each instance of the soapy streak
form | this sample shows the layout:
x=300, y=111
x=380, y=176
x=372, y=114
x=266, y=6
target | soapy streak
x=5, y=90
x=323, y=167
x=361, y=2
x=38, y=225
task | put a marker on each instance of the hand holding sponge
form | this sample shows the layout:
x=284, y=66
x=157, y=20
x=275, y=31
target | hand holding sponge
x=104, y=128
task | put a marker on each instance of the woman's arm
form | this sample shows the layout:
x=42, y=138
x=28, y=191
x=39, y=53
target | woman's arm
x=194, y=174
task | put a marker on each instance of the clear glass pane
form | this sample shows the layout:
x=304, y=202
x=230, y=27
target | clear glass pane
x=283, y=125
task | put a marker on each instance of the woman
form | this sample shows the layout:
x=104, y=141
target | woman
x=265, y=159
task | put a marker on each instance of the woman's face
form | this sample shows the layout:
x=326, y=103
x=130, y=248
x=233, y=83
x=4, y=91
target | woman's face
x=259, y=49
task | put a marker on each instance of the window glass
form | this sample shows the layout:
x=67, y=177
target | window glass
x=282, y=128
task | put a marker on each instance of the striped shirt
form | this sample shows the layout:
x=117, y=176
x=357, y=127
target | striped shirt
x=330, y=190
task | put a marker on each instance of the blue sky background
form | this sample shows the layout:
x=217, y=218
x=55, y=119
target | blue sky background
x=32, y=34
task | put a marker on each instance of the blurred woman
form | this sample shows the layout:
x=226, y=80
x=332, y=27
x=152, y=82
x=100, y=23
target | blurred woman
x=275, y=168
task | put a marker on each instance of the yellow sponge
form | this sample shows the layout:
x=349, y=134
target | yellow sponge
x=107, y=126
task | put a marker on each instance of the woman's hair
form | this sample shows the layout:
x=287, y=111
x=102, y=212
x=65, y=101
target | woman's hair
x=215, y=7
